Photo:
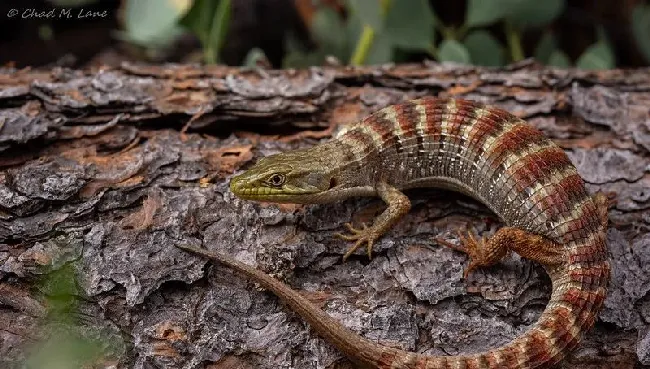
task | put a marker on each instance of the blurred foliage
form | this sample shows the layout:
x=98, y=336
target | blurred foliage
x=362, y=32
x=65, y=341
x=71, y=3
x=412, y=26
x=209, y=20
x=641, y=28
x=154, y=23
x=597, y=56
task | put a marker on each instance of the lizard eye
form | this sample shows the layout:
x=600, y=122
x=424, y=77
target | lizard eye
x=276, y=180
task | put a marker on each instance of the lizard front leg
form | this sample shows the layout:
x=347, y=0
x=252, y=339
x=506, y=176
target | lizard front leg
x=398, y=205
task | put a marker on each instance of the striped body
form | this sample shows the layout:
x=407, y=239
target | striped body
x=487, y=153
x=505, y=163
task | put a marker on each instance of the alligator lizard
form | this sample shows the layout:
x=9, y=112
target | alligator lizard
x=484, y=152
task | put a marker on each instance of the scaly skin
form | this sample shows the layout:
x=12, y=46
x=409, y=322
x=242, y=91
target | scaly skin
x=481, y=151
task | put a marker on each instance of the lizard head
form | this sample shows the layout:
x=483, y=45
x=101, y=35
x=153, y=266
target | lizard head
x=300, y=176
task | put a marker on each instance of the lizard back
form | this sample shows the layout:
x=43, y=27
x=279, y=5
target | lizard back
x=485, y=152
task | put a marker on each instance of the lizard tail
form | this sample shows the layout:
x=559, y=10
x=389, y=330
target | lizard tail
x=579, y=289
x=361, y=350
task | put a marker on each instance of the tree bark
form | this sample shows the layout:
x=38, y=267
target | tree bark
x=103, y=171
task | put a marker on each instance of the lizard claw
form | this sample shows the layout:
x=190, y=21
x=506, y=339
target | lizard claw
x=468, y=245
x=360, y=235
x=355, y=232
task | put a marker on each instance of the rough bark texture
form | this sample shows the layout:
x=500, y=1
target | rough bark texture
x=105, y=170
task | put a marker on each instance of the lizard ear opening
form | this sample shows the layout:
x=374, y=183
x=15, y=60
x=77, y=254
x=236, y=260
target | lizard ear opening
x=333, y=182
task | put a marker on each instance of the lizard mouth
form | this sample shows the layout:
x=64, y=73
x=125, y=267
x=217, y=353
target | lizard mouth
x=257, y=192
x=248, y=191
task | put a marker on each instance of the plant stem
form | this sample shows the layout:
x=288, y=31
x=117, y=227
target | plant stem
x=385, y=6
x=448, y=33
x=209, y=55
x=363, y=46
x=461, y=32
x=432, y=51
x=218, y=30
x=514, y=42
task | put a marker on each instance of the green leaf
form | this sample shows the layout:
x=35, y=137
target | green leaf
x=641, y=28
x=199, y=18
x=409, y=25
x=218, y=31
x=153, y=21
x=353, y=30
x=484, y=12
x=533, y=13
x=523, y=13
x=597, y=56
x=381, y=50
x=453, y=51
x=328, y=31
x=545, y=47
x=358, y=48
x=558, y=59
x=484, y=49
x=209, y=21
x=254, y=56
x=369, y=11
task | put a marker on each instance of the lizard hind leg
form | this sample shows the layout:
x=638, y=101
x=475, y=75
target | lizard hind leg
x=486, y=252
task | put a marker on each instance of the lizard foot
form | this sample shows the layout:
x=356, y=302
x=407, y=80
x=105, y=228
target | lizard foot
x=360, y=235
x=468, y=245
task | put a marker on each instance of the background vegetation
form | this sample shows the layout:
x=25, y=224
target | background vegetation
x=297, y=33
x=361, y=32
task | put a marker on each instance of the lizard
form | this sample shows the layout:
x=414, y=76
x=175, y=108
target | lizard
x=484, y=152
